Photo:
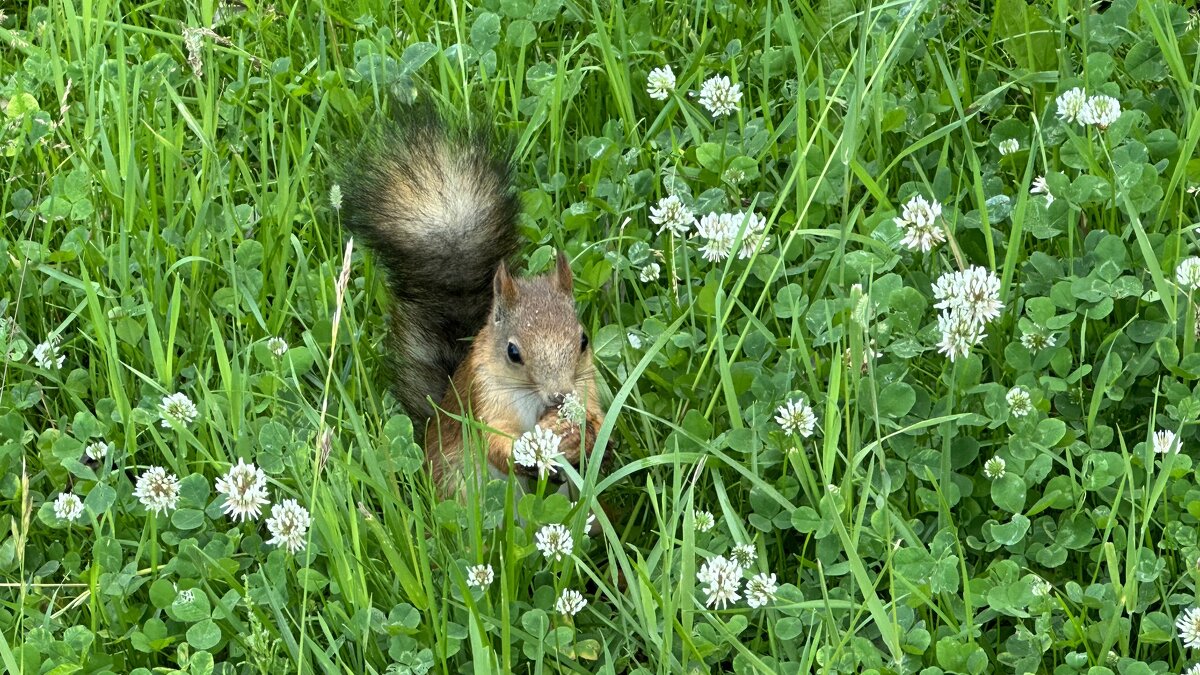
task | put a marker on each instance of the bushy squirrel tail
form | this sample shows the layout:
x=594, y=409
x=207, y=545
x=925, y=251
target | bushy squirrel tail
x=434, y=201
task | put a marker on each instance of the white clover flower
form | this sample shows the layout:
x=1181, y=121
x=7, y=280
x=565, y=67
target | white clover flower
x=1037, y=340
x=971, y=299
x=1020, y=403
x=1187, y=274
x=660, y=83
x=1008, y=146
x=570, y=602
x=1041, y=588
x=480, y=576
x=277, y=346
x=743, y=555
x=335, y=197
x=538, y=448
x=288, y=524
x=634, y=340
x=755, y=235
x=555, y=541
x=796, y=416
x=919, y=221
x=720, y=232
x=68, y=507
x=1165, y=441
x=96, y=451
x=157, y=490
x=1070, y=105
x=958, y=335
x=974, y=294
x=760, y=590
x=649, y=273
x=994, y=468
x=1188, y=624
x=46, y=354
x=1100, y=111
x=245, y=490
x=573, y=410
x=920, y=210
x=719, y=96
x=672, y=216
x=1039, y=187
x=1194, y=670
x=722, y=578
x=177, y=407
x=704, y=521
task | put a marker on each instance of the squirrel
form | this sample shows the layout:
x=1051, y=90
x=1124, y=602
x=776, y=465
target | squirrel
x=436, y=205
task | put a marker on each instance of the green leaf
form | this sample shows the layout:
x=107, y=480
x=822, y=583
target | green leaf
x=190, y=607
x=485, y=32
x=1100, y=66
x=961, y=657
x=1008, y=492
x=273, y=436
x=1025, y=35
x=1162, y=143
x=187, y=519
x=805, y=519
x=520, y=33
x=107, y=554
x=896, y=399
x=194, y=490
x=790, y=302
x=788, y=629
x=20, y=105
x=201, y=663
x=1144, y=62
x=162, y=593
x=1010, y=533
x=405, y=616
x=204, y=635
x=100, y=498
x=1156, y=628
x=710, y=155
x=1088, y=190
x=535, y=622
x=417, y=55
x=608, y=342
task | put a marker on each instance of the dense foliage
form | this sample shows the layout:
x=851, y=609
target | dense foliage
x=897, y=326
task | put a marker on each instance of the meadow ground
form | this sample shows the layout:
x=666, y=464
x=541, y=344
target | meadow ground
x=896, y=326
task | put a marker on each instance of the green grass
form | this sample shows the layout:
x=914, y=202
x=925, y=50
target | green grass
x=166, y=225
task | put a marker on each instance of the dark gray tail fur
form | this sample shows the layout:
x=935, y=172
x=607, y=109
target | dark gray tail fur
x=435, y=203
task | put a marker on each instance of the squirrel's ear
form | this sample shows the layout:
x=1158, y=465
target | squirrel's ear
x=562, y=273
x=504, y=291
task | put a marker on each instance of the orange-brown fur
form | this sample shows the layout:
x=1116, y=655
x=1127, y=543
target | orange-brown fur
x=487, y=388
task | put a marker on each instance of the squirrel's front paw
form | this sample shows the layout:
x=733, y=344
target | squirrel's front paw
x=566, y=430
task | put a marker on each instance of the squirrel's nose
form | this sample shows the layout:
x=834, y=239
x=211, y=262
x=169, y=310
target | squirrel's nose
x=557, y=398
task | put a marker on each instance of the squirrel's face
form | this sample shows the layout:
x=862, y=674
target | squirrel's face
x=538, y=336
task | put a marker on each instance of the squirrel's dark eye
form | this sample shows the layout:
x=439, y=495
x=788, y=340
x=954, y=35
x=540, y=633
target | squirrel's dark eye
x=514, y=354
x=583, y=343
